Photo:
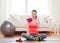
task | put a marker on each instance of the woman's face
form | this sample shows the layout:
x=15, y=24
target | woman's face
x=34, y=15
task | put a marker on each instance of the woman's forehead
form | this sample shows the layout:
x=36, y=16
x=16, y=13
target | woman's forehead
x=33, y=12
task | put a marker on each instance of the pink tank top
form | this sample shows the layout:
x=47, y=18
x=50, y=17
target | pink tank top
x=33, y=28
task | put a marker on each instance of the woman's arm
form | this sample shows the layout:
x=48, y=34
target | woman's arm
x=38, y=22
x=27, y=28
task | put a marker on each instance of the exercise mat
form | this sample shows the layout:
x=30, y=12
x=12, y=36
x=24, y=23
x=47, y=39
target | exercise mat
x=45, y=39
x=8, y=39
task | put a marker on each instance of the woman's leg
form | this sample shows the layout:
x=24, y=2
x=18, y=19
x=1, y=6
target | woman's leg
x=26, y=36
x=42, y=36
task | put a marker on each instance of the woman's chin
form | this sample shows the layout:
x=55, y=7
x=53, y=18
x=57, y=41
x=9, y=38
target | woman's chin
x=34, y=17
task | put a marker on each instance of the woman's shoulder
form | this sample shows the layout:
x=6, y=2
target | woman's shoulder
x=29, y=19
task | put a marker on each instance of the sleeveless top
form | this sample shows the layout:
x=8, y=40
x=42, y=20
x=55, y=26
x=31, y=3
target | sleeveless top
x=32, y=27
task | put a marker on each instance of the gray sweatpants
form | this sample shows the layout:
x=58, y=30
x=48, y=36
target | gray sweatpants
x=32, y=36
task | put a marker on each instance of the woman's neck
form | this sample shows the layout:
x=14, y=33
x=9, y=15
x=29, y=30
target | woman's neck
x=33, y=19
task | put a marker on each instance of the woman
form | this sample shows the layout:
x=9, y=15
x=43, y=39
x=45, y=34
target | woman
x=32, y=27
x=32, y=24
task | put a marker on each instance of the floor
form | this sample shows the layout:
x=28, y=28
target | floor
x=18, y=36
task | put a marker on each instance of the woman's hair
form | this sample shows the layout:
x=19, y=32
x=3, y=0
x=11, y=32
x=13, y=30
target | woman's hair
x=34, y=11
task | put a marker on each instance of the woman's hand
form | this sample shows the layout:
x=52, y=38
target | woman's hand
x=28, y=33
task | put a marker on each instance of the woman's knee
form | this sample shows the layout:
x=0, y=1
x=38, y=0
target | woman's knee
x=23, y=34
x=42, y=35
